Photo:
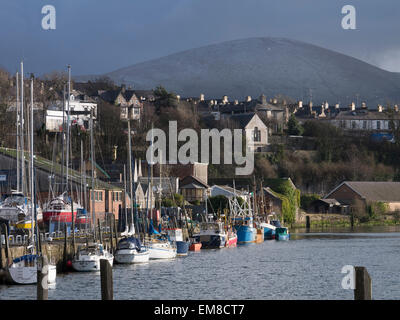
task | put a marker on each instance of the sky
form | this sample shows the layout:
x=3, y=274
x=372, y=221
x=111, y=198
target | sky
x=99, y=36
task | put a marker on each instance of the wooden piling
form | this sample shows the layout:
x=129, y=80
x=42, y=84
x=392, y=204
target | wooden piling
x=7, y=249
x=116, y=233
x=352, y=220
x=363, y=289
x=64, y=264
x=1, y=249
x=100, y=235
x=308, y=222
x=42, y=274
x=111, y=234
x=106, y=280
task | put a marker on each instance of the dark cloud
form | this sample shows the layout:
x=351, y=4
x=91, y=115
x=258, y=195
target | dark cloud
x=97, y=36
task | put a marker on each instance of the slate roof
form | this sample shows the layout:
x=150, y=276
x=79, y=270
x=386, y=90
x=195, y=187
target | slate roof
x=242, y=118
x=373, y=190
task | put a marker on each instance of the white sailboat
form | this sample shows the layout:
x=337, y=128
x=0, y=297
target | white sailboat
x=23, y=270
x=88, y=256
x=130, y=249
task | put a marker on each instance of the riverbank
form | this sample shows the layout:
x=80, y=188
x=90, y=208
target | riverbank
x=338, y=220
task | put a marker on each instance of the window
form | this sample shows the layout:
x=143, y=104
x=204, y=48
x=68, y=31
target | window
x=378, y=125
x=257, y=135
x=364, y=124
x=353, y=124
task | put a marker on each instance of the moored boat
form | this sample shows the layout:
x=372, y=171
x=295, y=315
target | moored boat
x=130, y=250
x=232, y=239
x=282, y=233
x=162, y=248
x=88, y=257
x=212, y=235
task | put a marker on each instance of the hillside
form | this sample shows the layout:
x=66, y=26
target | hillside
x=264, y=65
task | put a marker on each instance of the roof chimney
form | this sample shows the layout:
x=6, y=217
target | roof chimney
x=263, y=99
x=202, y=97
x=225, y=99
x=236, y=102
x=396, y=108
x=326, y=105
x=352, y=106
x=337, y=106
x=300, y=104
x=380, y=108
x=248, y=98
x=363, y=105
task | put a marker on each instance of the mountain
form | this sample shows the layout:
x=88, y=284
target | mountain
x=265, y=65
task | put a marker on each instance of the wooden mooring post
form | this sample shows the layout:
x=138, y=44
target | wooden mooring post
x=107, y=290
x=111, y=234
x=115, y=233
x=363, y=288
x=42, y=274
x=1, y=248
x=64, y=263
x=308, y=222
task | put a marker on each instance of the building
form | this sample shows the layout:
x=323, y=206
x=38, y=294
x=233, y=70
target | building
x=367, y=192
x=257, y=133
x=131, y=106
x=193, y=189
x=229, y=192
x=80, y=107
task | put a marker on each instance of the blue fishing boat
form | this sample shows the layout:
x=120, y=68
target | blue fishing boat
x=246, y=233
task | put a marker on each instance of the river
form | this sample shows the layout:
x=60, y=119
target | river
x=306, y=267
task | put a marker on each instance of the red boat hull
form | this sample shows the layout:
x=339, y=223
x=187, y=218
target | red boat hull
x=232, y=242
x=55, y=216
x=195, y=247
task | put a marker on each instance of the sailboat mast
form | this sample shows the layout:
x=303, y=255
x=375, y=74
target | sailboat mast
x=22, y=131
x=92, y=165
x=126, y=211
x=31, y=165
x=130, y=165
x=63, y=142
x=68, y=125
x=18, y=131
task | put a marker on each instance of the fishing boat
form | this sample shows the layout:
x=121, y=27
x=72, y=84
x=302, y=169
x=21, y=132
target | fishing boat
x=88, y=257
x=232, y=239
x=269, y=230
x=282, y=233
x=212, y=235
x=130, y=250
x=246, y=233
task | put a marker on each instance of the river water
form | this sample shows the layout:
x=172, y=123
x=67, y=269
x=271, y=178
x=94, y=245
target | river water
x=306, y=267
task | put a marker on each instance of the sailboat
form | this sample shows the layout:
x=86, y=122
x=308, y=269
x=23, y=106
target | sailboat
x=88, y=256
x=16, y=207
x=23, y=270
x=130, y=249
